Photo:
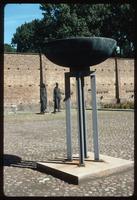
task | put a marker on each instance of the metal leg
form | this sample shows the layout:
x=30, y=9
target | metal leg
x=68, y=117
x=94, y=117
x=84, y=119
x=80, y=121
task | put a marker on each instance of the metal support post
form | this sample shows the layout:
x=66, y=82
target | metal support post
x=68, y=117
x=84, y=119
x=80, y=121
x=94, y=117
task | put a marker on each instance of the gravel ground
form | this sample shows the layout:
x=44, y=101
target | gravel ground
x=34, y=137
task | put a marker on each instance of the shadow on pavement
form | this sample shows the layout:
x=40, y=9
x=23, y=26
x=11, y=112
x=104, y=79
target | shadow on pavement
x=16, y=161
x=8, y=159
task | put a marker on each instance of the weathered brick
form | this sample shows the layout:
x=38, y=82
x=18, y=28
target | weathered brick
x=22, y=80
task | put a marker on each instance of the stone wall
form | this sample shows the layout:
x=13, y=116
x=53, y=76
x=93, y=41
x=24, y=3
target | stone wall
x=126, y=79
x=22, y=81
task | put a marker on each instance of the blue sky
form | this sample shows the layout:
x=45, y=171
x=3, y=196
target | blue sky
x=17, y=14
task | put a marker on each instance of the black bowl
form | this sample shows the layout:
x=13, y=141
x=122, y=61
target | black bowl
x=81, y=52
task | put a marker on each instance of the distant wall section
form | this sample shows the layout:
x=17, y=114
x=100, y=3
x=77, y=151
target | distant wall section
x=22, y=81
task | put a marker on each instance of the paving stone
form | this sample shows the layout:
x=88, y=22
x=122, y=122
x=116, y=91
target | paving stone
x=31, y=137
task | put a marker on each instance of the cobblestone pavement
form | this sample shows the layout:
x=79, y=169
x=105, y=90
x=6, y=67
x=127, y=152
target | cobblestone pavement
x=34, y=137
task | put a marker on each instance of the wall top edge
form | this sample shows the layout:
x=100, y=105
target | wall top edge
x=21, y=53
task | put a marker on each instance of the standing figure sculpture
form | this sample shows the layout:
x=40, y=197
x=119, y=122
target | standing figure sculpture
x=56, y=98
x=43, y=98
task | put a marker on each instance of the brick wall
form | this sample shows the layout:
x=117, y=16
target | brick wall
x=22, y=81
x=126, y=79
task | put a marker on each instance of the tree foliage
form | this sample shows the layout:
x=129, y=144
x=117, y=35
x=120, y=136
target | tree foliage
x=8, y=48
x=71, y=20
x=25, y=37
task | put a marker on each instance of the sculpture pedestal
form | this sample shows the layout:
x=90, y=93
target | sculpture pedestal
x=72, y=173
x=82, y=135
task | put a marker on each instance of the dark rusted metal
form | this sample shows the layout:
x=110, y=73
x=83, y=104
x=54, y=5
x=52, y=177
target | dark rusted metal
x=79, y=53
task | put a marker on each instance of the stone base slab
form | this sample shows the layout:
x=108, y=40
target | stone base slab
x=71, y=172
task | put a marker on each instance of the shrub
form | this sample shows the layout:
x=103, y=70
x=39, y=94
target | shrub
x=126, y=105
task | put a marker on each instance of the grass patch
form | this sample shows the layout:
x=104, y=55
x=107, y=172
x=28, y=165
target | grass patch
x=126, y=105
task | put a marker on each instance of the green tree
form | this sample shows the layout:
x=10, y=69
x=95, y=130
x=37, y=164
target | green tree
x=119, y=24
x=9, y=48
x=72, y=20
x=25, y=37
